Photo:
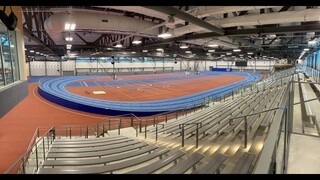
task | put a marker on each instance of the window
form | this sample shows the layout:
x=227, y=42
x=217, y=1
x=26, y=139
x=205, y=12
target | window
x=9, y=66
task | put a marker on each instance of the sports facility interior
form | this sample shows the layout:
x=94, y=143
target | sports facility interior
x=159, y=89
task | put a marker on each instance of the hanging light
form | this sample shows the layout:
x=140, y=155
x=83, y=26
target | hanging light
x=136, y=40
x=69, y=38
x=166, y=34
x=213, y=45
x=118, y=45
x=69, y=26
x=69, y=46
x=183, y=46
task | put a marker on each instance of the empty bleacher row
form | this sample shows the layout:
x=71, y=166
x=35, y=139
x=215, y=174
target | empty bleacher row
x=110, y=154
x=214, y=121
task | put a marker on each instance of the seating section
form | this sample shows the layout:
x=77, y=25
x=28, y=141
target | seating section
x=308, y=109
x=221, y=135
x=110, y=154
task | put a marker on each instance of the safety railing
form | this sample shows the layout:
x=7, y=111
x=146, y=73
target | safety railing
x=274, y=155
x=198, y=126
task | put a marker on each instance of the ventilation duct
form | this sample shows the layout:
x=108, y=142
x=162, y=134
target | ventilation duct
x=257, y=19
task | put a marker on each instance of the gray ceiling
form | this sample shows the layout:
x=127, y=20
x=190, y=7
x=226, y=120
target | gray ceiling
x=273, y=31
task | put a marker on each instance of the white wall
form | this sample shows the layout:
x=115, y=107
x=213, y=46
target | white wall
x=38, y=68
x=42, y=68
x=27, y=69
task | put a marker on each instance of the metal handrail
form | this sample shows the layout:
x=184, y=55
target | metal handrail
x=197, y=132
x=27, y=153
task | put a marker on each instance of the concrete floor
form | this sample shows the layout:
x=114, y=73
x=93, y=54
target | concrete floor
x=304, y=156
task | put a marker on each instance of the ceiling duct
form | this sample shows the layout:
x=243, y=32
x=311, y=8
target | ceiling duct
x=54, y=25
x=187, y=17
x=256, y=19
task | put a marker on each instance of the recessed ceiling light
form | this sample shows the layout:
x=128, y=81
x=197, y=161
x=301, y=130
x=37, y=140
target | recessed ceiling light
x=236, y=50
x=211, y=50
x=144, y=50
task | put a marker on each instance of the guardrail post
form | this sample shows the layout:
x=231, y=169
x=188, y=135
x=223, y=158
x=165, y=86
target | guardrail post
x=70, y=131
x=23, y=166
x=145, y=130
x=120, y=123
x=97, y=127
x=37, y=156
x=197, y=136
x=137, y=130
x=245, y=132
x=156, y=132
x=182, y=135
x=48, y=139
x=87, y=132
x=54, y=133
x=140, y=126
x=38, y=133
x=154, y=121
x=232, y=95
x=103, y=130
x=43, y=150
x=166, y=118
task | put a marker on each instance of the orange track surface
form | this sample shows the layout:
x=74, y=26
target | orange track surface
x=155, y=91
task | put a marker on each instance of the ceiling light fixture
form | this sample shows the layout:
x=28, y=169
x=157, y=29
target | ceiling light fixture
x=164, y=35
x=136, y=42
x=236, y=50
x=211, y=50
x=69, y=38
x=69, y=46
x=118, y=45
x=183, y=47
x=213, y=45
x=70, y=26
